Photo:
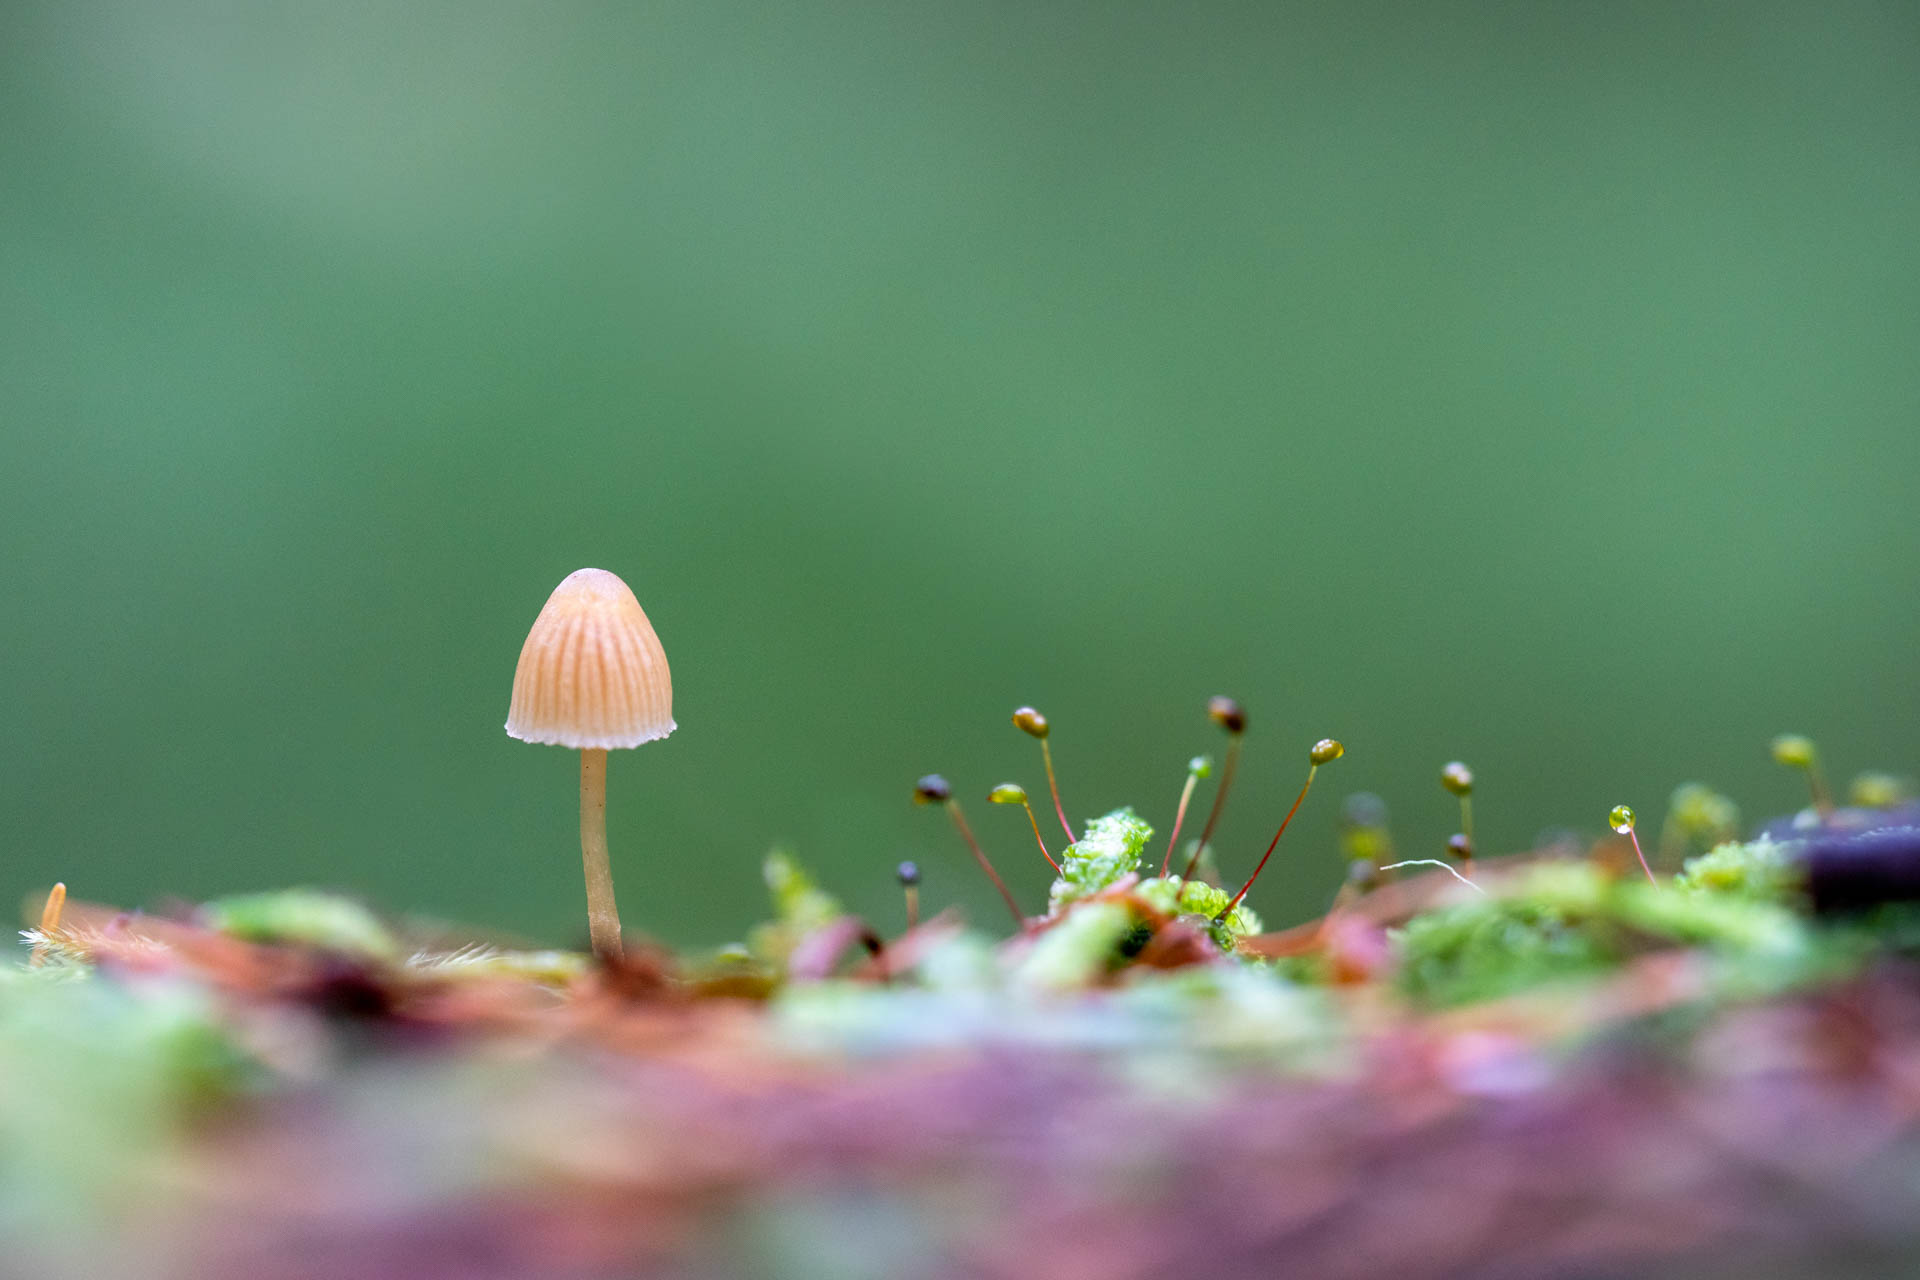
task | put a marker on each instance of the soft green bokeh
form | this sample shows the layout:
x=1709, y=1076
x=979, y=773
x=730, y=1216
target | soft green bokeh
x=1533, y=385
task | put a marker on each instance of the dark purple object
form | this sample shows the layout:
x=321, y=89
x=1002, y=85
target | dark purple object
x=1857, y=872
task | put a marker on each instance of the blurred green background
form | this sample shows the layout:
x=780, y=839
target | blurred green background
x=1530, y=384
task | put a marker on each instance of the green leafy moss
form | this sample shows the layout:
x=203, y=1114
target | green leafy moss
x=102, y=1077
x=1699, y=817
x=1177, y=897
x=1084, y=946
x=799, y=907
x=306, y=917
x=1109, y=850
x=1205, y=867
x=552, y=968
x=1758, y=871
x=1479, y=950
x=1571, y=921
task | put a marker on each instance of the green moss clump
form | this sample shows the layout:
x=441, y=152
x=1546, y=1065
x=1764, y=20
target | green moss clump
x=550, y=968
x=1571, y=921
x=1083, y=947
x=1477, y=951
x=103, y=1077
x=1110, y=849
x=1177, y=897
x=799, y=907
x=306, y=917
x=1756, y=871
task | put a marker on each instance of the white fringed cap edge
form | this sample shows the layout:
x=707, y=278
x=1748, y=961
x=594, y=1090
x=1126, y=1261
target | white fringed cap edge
x=592, y=674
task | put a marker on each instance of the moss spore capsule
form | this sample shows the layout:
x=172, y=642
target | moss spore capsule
x=1364, y=809
x=1232, y=717
x=1014, y=793
x=1879, y=791
x=1697, y=816
x=1227, y=713
x=1460, y=847
x=1322, y=751
x=1197, y=768
x=933, y=789
x=1363, y=829
x=908, y=874
x=1458, y=779
x=1032, y=723
x=1794, y=750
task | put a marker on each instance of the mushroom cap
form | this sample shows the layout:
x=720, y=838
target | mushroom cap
x=592, y=673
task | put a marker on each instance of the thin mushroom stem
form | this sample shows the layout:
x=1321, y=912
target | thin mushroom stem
x=603, y=918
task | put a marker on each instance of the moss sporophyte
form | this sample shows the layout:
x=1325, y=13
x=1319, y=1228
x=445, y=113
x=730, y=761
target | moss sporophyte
x=1145, y=1026
x=1103, y=866
x=1107, y=920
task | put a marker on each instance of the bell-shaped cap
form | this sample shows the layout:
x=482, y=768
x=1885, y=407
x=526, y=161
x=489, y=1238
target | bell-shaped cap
x=592, y=673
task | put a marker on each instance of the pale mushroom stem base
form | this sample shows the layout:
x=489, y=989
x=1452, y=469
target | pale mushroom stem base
x=603, y=918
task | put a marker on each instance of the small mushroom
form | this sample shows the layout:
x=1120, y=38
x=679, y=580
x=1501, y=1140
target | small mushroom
x=592, y=676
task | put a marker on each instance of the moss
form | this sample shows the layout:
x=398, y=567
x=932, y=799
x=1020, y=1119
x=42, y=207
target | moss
x=799, y=907
x=1477, y=951
x=306, y=917
x=1082, y=948
x=103, y=1076
x=549, y=968
x=1757, y=871
x=1177, y=897
x=1572, y=921
x=1109, y=850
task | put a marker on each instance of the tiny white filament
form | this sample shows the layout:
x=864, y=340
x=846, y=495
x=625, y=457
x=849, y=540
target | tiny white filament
x=1435, y=862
